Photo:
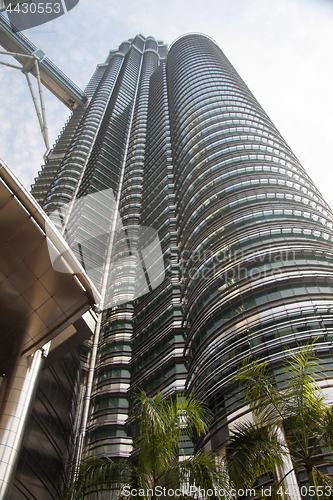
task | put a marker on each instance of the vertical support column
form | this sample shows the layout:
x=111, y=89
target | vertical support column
x=17, y=399
x=287, y=472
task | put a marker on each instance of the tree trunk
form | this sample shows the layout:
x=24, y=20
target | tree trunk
x=312, y=482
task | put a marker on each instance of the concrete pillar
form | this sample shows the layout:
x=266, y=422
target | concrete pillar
x=290, y=479
x=17, y=395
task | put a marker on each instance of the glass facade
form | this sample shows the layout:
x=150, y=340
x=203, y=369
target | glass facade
x=254, y=234
x=50, y=436
x=103, y=147
x=246, y=237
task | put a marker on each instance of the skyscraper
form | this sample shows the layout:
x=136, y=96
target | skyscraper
x=246, y=237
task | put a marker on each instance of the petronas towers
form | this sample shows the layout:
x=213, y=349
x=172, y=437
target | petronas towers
x=193, y=216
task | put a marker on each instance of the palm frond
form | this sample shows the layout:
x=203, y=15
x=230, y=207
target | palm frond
x=97, y=474
x=299, y=407
x=325, y=482
x=155, y=445
x=151, y=412
x=303, y=364
x=207, y=471
x=253, y=450
x=261, y=393
x=187, y=414
x=303, y=402
x=302, y=390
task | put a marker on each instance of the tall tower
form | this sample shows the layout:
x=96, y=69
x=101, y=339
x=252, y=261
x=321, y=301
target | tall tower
x=246, y=237
x=102, y=150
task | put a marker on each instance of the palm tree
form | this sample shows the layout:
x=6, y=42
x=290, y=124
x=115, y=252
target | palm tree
x=291, y=421
x=160, y=427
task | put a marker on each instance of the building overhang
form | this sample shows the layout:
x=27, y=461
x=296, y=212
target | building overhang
x=37, y=303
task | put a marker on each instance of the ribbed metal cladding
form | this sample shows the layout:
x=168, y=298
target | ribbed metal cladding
x=246, y=237
x=255, y=235
x=158, y=336
x=105, y=148
x=60, y=176
x=109, y=414
x=109, y=401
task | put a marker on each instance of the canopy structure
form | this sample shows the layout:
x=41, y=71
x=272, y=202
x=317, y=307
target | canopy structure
x=36, y=301
x=37, y=305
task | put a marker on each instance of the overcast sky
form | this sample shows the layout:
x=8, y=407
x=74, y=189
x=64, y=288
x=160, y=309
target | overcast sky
x=281, y=48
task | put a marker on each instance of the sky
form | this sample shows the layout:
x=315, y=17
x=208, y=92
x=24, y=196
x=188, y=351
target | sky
x=281, y=48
